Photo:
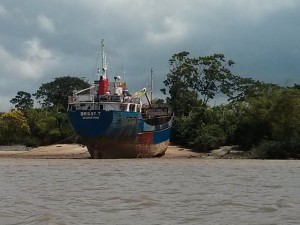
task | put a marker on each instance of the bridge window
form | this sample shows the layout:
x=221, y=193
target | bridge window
x=132, y=107
x=123, y=107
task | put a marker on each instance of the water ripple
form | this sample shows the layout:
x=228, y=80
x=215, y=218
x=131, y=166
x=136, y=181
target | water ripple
x=151, y=191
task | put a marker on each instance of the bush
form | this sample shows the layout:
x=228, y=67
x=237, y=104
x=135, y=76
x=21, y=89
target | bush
x=210, y=137
x=249, y=134
x=277, y=150
x=31, y=142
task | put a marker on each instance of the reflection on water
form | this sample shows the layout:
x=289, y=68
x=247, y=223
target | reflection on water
x=149, y=191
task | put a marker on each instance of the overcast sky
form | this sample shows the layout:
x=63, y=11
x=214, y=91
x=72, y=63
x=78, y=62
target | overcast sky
x=43, y=39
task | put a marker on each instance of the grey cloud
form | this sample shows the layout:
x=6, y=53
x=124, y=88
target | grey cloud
x=261, y=37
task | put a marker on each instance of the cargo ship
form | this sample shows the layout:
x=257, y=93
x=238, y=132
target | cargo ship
x=114, y=123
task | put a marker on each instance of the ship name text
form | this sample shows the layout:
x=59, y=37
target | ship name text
x=90, y=115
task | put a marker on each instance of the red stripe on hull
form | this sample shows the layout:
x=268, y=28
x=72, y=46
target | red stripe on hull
x=145, y=138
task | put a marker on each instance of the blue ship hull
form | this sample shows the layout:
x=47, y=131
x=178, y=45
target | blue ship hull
x=120, y=134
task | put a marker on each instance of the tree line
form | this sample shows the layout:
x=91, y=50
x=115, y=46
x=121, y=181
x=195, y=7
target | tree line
x=258, y=117
x=47, y=124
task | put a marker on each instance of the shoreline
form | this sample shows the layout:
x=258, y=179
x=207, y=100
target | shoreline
x=76, y=151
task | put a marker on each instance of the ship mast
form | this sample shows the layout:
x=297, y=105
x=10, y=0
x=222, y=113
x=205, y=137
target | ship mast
x=104, y=63
x=151, y=85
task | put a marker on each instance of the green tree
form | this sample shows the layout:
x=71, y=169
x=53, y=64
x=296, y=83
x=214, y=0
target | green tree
x=194, y=81
x=200, y=130
x=296, y=86
x=182, y=97
x=22, y=100
x=56, y=92
x=158, y=101
x=271, y=124
x=33, y=115
x=246, y=88
x=227, y=117
x=47, y=129
x=13, y=127
x=284, y=116
x=254, y=125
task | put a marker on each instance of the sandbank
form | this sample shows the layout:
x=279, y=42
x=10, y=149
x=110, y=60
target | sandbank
x=60, y=151
x=76, y=151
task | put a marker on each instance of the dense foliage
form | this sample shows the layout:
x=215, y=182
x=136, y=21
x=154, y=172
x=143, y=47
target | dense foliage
x=22, y=100
x=13, y=126
x=259, y=117
x=271, y=124
x=40, y=126
x=56, y=92
x=192, y=82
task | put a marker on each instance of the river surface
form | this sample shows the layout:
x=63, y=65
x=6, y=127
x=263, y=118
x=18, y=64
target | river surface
x=149, y=191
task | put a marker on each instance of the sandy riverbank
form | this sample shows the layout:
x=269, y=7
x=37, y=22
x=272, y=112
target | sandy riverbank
x=61, y=151
x=75, y=151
